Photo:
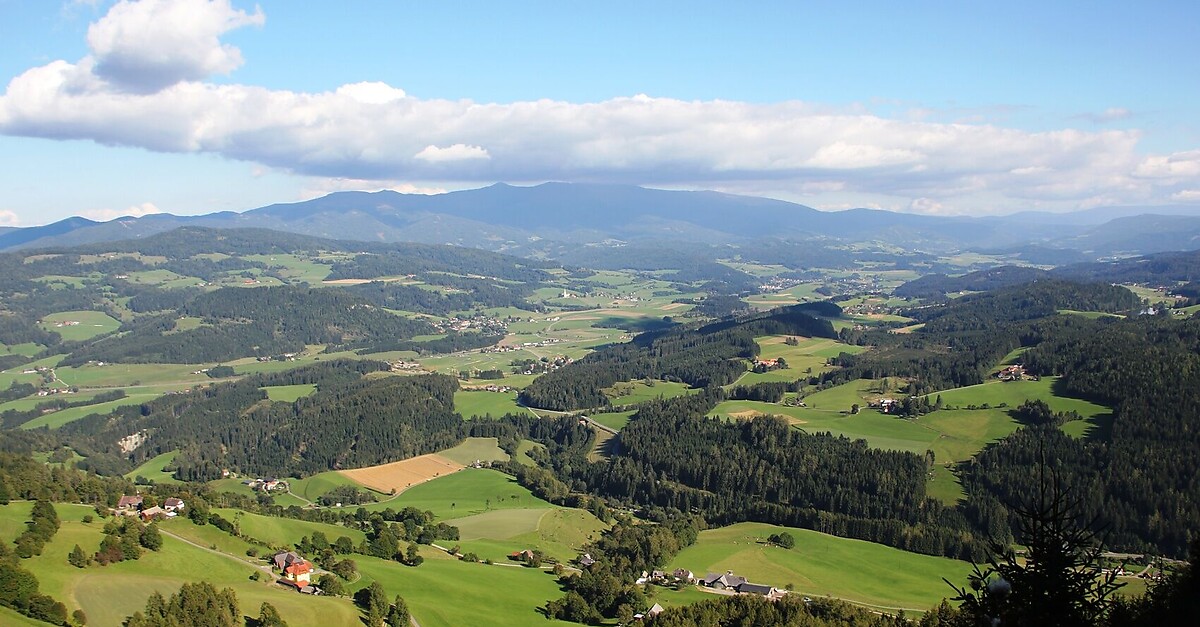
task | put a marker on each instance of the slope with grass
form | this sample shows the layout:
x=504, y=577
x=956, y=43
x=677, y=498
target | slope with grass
x=108, y=594
x=822, y=565
x=283, y=531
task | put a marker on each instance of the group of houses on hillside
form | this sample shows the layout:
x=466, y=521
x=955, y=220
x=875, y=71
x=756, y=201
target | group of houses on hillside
x=136, y=506
x=727, y=581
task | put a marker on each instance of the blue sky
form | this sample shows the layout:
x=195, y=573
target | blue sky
x=192, y=106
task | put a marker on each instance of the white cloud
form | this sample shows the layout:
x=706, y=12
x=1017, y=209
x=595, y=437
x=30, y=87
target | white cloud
x=457, y=152
x=135, y=211
x=317, y=187
x=371, y=92
x=926, y=205
x=9, y=218
x=1186, y=195
x=147, y=45
x=142, y=87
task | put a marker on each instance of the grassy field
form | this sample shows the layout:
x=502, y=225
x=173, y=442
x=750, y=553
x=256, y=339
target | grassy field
x=445, y=592
x=472, y=403
x=28, y=349
x=153, y=468
x=822, y=565
x=635, y=392
x=558, y=532
x=467, y=492
x=283, y=531
x=164, y=376
x=61, y=417
x=87, y=324
x=523, y=449
x=953, y=434
x=614, y=420
x=314, y=486
x=472, y=449
x=289, y=393
x=108, y=594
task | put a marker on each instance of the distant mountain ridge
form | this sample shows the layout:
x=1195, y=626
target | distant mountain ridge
x=548, y=219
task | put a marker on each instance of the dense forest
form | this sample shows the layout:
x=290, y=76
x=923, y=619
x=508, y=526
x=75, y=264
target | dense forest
x=1138, y=477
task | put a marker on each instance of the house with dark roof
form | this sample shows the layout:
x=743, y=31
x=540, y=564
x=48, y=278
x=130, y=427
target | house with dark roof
x=295, y=569
x=130, y=502
x=727, y=581
x=173, y=504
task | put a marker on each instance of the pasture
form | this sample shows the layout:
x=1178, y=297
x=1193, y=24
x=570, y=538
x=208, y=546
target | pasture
x=312, y=487
x=446, y=592
x=558, y=532
x=152, y=469
x=614, y=420
x=635, y=392
x=56, y=419
x=289, y=393
x=822, y=565
x=110, y=593
x=401, y=475
x=472, y=403
x=465, y=493
x=475, y=449
x=75, y=326
x=283, y=531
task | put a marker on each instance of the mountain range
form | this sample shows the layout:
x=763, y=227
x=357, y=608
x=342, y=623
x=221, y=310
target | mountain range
x=551, y=218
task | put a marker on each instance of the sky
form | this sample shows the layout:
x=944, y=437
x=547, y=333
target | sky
x=113, y=108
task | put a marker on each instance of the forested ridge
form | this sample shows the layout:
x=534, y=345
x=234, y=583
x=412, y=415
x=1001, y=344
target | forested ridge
x=350, y=421
x=1140, y=478
x=711, y=355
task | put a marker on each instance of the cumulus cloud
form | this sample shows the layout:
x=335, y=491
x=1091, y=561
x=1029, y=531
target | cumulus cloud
x=9, y=218
x=147, y=45
x=457, y=152
x=1186, y=195
x=135, y=211
x=143, y=87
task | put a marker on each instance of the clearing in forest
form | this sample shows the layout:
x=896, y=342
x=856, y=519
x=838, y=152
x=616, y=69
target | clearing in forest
x=402, y=475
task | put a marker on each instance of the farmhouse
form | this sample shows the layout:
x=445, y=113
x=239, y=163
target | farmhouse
x=150, y=513
x=654, y=610
x=130, y=502
x=295, y=569
x=728, y=581
x=684, y=575
x=521, y=556
x=769, y=592
x=173, y=505
x=586, y=560
x=1011, y=373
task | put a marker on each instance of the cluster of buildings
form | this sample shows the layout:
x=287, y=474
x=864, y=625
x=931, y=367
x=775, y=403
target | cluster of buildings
x=487, y=325
x=266, y=485
x=508, y=348
x=1011, y=373
x=135, y=506
x=295, y=571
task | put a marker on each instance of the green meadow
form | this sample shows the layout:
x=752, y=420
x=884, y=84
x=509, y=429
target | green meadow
x=56, y=419
x=314, y=486
x=822, y=565
x=446, y=592
x=558, y=532
x=635, y=392
x=465, y=493
x=614, y=420
x=954, y=434
x=475, y=449
x=289, y=393
x=75, y=326
x=283, y=531
x=110, y=593
x=152, y=469
x=472, y=403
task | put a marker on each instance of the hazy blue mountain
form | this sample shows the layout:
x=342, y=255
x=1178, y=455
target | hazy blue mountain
x=551, y=218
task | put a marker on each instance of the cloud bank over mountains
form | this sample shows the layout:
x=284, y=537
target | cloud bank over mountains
x=147, y=83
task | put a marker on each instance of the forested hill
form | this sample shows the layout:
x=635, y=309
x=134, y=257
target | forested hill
x=936, y=286
x=239, y=322
x=712, y=355
x=966, y=337
x=1140, y=479
x=349, y=421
